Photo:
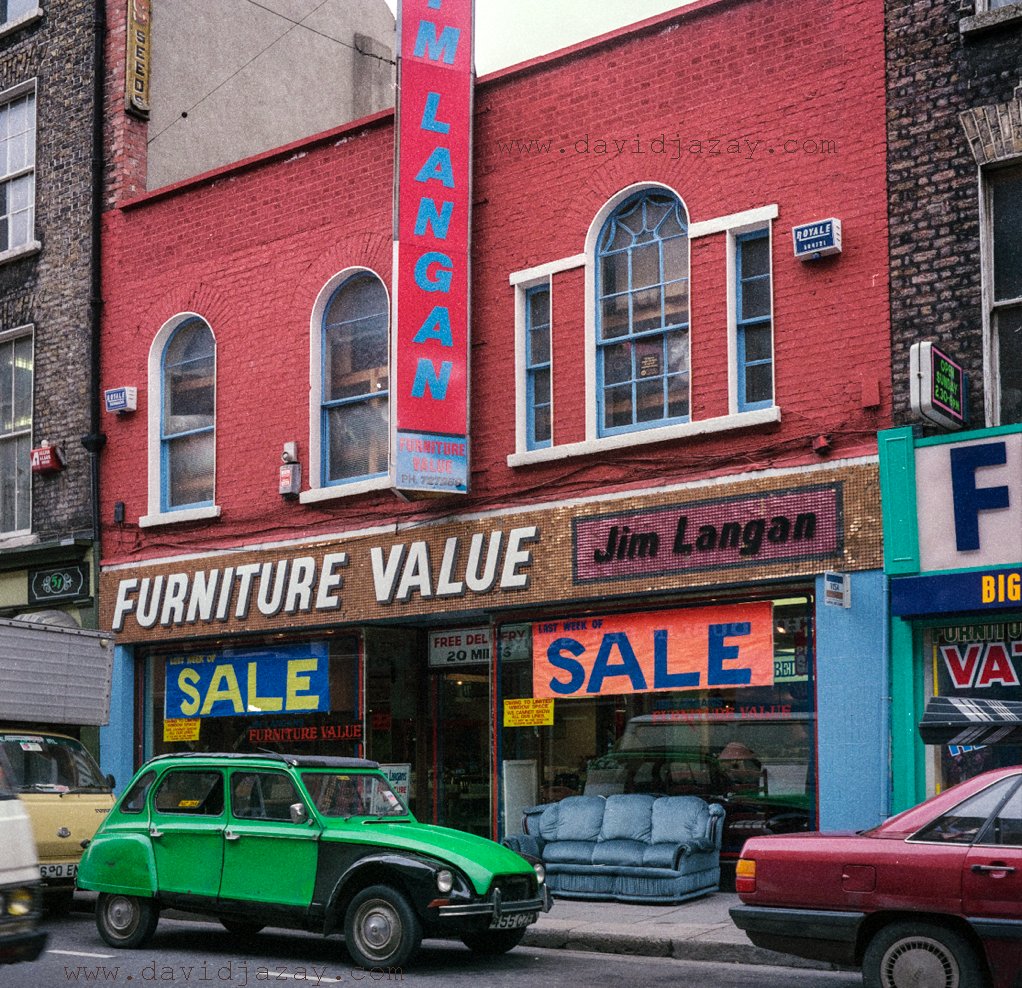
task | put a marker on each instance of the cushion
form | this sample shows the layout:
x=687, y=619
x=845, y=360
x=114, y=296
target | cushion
x=579, y=818
x=627, y=817
x=568, y=852
x=619, y=852
x=679, y=818
x=548, y=822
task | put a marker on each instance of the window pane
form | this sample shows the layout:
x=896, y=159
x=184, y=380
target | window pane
x=646, y=311
x=357, y=439
x=539, y=345
x=758, y=343
x=617, y=363
x=755, y=298
x=614, y=317
x=11, y=10
x=617, y=407
x=677, y=395
x=190, y=469
x=188, y=379
x=7, y=386
x=758, y=383
x=675, y=259
x=541, y=386
x=646, y=266
x=755, y=257
x=539, y=308
x=541, y=424
x=1007, y=209
x=614, y=273
x=1008, y=323
x=1008, y=823
x=962, y=824
x=649, y=396
x=677, y=351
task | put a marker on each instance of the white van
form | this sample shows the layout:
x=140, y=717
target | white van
x=20, y=936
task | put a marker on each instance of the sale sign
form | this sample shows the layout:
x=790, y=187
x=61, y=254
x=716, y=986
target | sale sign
x=698, y=648
x=431, y=249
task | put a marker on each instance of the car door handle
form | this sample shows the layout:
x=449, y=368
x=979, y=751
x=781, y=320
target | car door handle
x=994, y=867
x=155, y=832
x=230, y=835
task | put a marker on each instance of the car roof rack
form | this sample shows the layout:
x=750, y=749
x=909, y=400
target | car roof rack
x=299, y=761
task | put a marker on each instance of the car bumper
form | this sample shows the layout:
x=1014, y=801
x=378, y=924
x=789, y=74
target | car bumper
x=25, y=946
x=495, y=907
x=817, y=934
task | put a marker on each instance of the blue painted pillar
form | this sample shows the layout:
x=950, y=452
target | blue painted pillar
x=116, y=739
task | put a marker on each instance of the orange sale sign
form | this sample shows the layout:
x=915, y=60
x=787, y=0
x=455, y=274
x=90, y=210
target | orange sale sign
x=696, y=648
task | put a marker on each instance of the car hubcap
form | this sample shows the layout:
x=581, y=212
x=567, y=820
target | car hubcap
x=919, y=963
x=379, y=926
x=121, y=914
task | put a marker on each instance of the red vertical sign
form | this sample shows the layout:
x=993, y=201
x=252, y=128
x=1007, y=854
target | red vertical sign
x=431, y=249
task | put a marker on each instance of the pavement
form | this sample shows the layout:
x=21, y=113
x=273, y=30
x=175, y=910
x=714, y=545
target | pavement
x=697, y=930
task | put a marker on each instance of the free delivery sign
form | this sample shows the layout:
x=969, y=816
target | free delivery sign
x=234, y=683
x=431, y=246
x=692, y=649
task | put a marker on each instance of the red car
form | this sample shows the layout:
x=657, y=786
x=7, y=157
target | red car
x=932, y=898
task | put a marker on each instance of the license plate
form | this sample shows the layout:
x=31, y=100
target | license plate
x=513, y=921
x=58, y=870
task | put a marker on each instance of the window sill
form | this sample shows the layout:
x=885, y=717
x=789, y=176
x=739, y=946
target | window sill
x=318, y=494
x=991, y=20
x=25, y=250
x=22, y=21
x=179, y=517
x=724, y=423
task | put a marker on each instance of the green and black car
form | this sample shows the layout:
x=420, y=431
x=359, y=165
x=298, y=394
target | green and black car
x=304, y=842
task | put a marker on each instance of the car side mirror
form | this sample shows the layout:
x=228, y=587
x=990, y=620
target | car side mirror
x=299, y=814
x=110, y=780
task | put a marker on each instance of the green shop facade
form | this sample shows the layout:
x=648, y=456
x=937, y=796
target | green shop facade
x=952, y=522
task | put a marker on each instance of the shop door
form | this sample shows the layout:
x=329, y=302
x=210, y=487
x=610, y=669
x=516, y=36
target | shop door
x=461, y=700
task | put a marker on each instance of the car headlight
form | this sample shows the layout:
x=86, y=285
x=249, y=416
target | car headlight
x=540, y=872
x=19, y=902
x=444, y=880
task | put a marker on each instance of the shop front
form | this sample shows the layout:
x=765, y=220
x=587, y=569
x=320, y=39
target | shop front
x=679, y=642
x=953, y=552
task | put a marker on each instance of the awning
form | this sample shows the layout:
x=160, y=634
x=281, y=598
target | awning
x=963, y=720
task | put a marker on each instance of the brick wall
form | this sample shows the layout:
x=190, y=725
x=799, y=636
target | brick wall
x=934, y=73
x=51, y=289
x=249, y=248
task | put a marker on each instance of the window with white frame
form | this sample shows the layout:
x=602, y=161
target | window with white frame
x=17, y=169
x=355, y=384
x=1005, y=291
x=16, y=367
x=188, y=419
x=642, y=314
x=753, y=321
x=538, y=366
x=14, y=10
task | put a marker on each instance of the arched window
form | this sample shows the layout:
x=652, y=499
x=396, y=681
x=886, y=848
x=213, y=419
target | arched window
x=642, y=314
x=187, y=422
x=354, y=425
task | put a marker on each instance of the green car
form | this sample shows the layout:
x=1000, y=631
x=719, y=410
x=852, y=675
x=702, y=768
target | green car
x=304, y=842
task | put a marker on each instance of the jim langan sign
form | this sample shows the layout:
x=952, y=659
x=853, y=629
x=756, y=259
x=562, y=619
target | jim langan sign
x=746, y=531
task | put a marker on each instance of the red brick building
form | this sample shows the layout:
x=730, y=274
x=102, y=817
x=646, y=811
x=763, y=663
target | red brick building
x=672, y=429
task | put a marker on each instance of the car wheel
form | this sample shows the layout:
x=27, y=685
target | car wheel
x=381, y=928
x=241, y=927
x=493, y=942
x=904, y=955
x=126, y=920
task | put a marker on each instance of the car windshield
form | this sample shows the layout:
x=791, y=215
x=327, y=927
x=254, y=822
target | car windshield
x=42, y=763
x=347, y=794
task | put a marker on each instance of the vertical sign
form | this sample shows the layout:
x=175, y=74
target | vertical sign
x=431, y=246
x=136, y=68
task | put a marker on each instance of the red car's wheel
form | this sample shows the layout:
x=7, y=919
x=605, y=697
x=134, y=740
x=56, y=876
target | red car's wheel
x=904, y=955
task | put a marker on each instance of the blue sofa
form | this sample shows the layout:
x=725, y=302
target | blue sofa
x=629, y=848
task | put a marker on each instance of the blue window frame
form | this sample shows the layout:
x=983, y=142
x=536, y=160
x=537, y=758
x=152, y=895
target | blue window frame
x=354, y=425
x=187, y=420
x=537, y=366
x=753, y=305
x=642, y=315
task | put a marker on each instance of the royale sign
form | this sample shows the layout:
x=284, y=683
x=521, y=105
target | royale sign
x=431, y=249
x=692, y=649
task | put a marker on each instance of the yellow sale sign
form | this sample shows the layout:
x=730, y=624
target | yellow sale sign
x=726, y=646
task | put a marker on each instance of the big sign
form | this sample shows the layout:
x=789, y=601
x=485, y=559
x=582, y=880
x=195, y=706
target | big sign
x=693, y=649
x=431, y=251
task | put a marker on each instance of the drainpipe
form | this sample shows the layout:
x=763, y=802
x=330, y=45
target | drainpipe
x=95, y=440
